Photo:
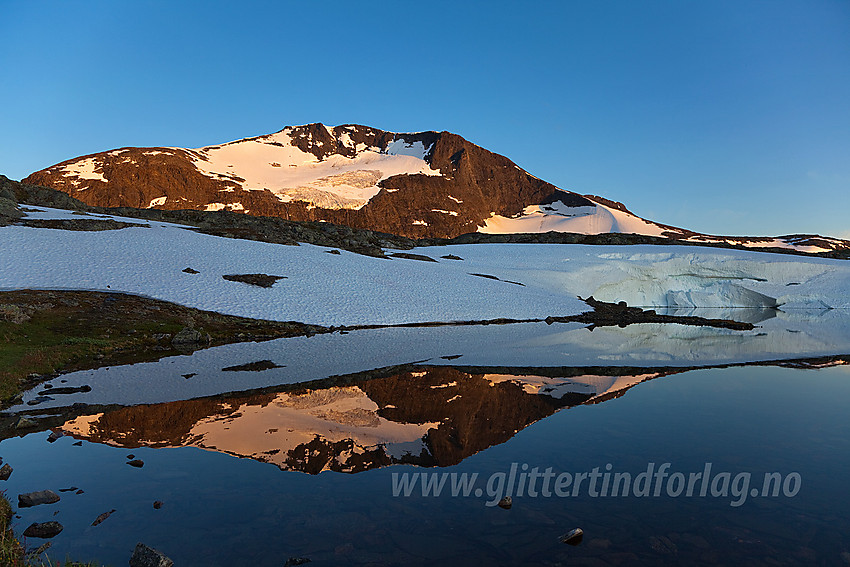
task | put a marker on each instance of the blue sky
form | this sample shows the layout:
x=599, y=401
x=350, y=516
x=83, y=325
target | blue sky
x=727, y=117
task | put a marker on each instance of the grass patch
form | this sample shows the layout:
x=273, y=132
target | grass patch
x=87, y=341
x=46, y=332
x=11, y=550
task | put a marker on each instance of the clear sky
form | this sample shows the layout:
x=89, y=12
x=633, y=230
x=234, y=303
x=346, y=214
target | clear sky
x=727, y=117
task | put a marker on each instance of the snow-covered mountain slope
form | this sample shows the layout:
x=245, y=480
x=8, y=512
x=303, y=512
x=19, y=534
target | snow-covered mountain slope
x=521, y=280
x=425, y=184
x=810, y=243
x=414, y=184
x=333, y=181
x=601, y=216
x=281, y=163
x=594, y=218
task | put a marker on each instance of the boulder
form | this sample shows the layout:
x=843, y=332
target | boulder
x=26, y=423
x=44, y=530
x=190, y=337
x=35, y=498
x=259, y=280
x=145, y=556
x=573, y=537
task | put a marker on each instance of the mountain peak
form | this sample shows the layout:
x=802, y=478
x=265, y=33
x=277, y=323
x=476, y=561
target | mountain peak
x=415, y=184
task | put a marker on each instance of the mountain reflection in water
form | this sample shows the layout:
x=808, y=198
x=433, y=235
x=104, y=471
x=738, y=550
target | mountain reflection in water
x=432, y=416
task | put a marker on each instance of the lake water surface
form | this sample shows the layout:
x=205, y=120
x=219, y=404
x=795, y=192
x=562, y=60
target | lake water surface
x=307, y=454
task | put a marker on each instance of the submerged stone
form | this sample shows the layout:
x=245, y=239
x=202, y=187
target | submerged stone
x=35, y=498
x=573, y=537
x=102, y=517
x=68, y=390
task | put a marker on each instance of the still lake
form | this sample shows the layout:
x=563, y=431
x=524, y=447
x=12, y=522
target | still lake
x=301, y=457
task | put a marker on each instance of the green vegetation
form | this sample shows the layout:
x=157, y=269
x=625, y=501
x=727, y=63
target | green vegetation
x=11, y=551
x=46, y=332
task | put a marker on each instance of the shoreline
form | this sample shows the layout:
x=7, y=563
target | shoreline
x=53, y=332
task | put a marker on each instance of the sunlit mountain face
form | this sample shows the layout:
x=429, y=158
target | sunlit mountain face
x=415, y=184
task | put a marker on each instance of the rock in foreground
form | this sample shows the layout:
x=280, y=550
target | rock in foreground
x=44, y=530
x=145, y=556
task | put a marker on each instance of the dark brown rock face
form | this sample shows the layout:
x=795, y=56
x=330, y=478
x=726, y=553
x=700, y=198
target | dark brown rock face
x=136, y=176
x=483, y=181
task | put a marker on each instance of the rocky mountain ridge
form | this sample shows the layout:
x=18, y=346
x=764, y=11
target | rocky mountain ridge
x=415, y=185
x=170, y=178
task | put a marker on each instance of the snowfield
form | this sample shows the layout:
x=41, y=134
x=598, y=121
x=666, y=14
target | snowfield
x=601, y=219
x=559, y=217
x=348, y=288
x=272, y=162
x=275, y=163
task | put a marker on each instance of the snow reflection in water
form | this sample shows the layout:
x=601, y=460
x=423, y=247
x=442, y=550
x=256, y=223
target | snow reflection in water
x=778, y=336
